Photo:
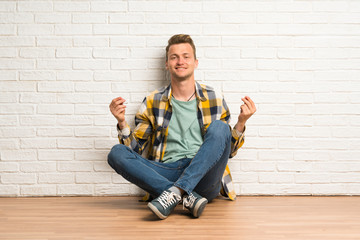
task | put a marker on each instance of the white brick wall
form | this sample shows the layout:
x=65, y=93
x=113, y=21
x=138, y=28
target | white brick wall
x=61, y=63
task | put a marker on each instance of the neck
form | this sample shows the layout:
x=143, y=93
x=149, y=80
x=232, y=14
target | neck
x=183, y=90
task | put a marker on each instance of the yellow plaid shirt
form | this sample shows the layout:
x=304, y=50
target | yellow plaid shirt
x=152, y=122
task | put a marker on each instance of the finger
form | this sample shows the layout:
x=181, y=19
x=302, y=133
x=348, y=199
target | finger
x=119, y=101
x=252, y=102
x=247, y=103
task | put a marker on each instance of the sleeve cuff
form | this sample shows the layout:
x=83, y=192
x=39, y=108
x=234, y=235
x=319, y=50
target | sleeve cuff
x=238, y=134
x=125, y=132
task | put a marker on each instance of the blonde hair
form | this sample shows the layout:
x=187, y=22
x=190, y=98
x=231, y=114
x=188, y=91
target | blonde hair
x=180, y=38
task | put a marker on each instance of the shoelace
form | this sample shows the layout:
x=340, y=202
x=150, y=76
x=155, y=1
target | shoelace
x=168, y=198
x=189, y=201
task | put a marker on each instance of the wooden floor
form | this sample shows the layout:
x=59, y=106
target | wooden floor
x=125, y=218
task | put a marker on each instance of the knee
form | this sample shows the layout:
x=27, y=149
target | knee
x=220, y=129
x=116, y=153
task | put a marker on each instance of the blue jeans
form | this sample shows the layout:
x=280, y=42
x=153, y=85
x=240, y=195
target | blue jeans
x=201, y=174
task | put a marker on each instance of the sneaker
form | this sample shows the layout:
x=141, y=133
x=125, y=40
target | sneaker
x=163, y=205
x=195, y=203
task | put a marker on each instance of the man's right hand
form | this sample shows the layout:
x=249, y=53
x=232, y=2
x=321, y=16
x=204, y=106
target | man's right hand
x=117, y=109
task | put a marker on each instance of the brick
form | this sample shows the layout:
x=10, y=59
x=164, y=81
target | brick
x=92, y=132
x=37, y=167
x=128, y=41
x=110, y=6
x=97, y=64
x=54, y=41
x=35, y=6
x=258, y=166
x=35, y=30
x=9, y=144
x=93, y=41
x=73, y=29
x=56, y=155
x=276, y=178
x=258, y=53
x=311, y=18
x=73, y=98
x=113, y=75
x=79, y=166
x=56, y=178
x=72, y=120
x=330, y=6
x=16, y=109
x=144, y=6
x=73, y=52
x=312, y=178
x=75, y=75
x=8, y=75
x=9, y=191
x=17, y=64
x=230, y=18
x=66, y=6
x=54, y=64
x=18, y=155
x=37, y=98
x=75, y=189
x=86, y=109
x=38, y=190
x=8, y=97
x=30, y=143
x=55, y=87
x=17, y=132
x=89, y=18
x=110, y=53
x=168, y=29
x=55, y=109
x=75, y=143
x=18, y=41
x=89, y=155
x=53, y=18
x=93, y=177
x=110, y=29
x=104, y=144
x=18, y=178
x=9, y=167
x=55, y=132
x=7, y=29
x=7, y=6
x=162, y=18
x=92, y=87
x=266, y=18
x=126, y=18
x=37, y=75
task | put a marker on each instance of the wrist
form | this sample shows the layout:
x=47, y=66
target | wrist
x=122, y=125
x=240, y=126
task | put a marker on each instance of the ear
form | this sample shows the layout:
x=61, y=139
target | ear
x=196, y=63
x=166, y=65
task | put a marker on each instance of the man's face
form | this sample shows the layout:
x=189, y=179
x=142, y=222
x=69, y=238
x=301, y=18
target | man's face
x=181, y=61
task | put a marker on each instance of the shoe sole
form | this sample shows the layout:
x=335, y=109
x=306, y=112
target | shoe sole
x=199, y=207
x=156, y=211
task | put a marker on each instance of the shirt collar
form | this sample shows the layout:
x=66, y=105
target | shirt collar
x=198, y=89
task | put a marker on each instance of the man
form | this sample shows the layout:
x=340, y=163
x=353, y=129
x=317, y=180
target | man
x=184, y=128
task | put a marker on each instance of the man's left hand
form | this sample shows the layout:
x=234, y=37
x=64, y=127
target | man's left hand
x=246, y=111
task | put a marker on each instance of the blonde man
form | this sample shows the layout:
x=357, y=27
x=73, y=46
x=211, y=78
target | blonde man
x=185, y=127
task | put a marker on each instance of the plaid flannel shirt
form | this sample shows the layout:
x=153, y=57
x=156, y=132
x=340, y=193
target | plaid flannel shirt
x=152, y=122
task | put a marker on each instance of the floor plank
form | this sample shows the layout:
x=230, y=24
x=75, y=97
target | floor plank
x=249, y=217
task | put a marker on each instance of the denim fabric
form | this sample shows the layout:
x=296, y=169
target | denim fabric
x=201, y=174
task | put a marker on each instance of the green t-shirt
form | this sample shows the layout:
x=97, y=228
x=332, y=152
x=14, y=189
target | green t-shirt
x=184, y=136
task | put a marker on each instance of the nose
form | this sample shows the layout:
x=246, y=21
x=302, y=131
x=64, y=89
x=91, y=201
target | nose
x=180, y=60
